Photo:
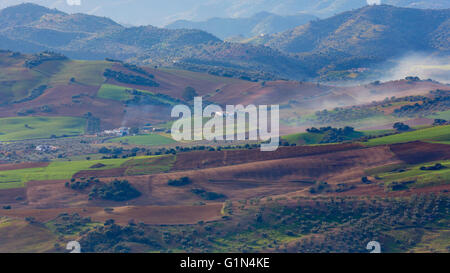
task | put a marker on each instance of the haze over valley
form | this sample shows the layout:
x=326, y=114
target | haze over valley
x=90, y=99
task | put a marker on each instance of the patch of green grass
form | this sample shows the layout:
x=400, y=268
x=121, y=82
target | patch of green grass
x=84, y=72
x=422, y=178
x=19, y=128
x=17, y=82
x=113, y=92
x=385, y=169
x=441, y=142
x=303, y=138
x=58, y=170
x=439, y=133
x=377, y=132
x=152, y=165
x=312, y=139
x=148, y=140
x=440, y=115
x=119, y=93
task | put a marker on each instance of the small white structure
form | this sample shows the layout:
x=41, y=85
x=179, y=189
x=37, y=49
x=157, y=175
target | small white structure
x=122, y=131
x=46, y=148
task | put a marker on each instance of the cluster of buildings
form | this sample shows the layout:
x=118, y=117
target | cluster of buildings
x=122, y=131
x=125, y=131
x=150, y=129
x=46, y=148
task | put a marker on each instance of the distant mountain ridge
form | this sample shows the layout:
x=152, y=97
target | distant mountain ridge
x=365, y=36
x=82, y=36
x=368, y=30
x=77, y=35
x=260, y=23
x=144, y=12
x=347, y=41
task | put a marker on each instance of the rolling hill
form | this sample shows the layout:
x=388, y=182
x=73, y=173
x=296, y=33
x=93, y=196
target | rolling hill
x=364, y=36
x=258, y=24
x=351, y=40
x=69, y=171
x=33, y=28
x=87, y=37
x=146, y=12
x=121, y=94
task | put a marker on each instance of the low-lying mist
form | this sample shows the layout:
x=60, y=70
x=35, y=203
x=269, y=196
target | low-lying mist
x=424, y=66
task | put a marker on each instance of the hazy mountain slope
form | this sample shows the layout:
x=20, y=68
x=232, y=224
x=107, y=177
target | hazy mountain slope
x=364, y=36
x=160, y=13
x=260, y=23
x=354, y=39
x=89, y=37
x=244, y=61
x=86, y=36
x=23, y=14
x=48, y=84
x=377, y=30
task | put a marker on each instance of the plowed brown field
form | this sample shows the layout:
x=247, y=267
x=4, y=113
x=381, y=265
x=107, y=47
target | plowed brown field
x=420, y=152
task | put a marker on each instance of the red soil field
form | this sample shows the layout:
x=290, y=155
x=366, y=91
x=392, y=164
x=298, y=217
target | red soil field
x=239, y=181
x=12, y=196
x=8, y=167
x=173, y=82
x=207, y=159
x=276, y=92
x=420, y=152
x=272, y=177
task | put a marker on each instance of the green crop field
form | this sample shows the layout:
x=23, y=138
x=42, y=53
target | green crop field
x=441, y=115
x=113, y=92
x=57, y=170
x=85, y=72
x=421, y=178
x=19, y=128
x=436, y=134
x=148, y=140
x=119, y=93
x=303, y=138
x=17, y=81
x=312, y=139
x=151, y=165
